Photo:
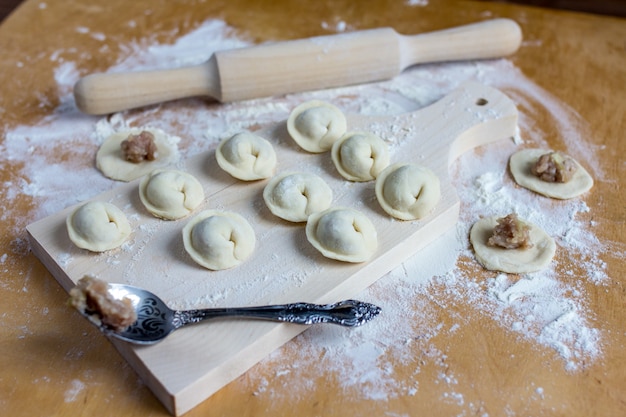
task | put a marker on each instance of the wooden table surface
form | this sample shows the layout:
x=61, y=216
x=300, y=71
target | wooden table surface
x=54, y=363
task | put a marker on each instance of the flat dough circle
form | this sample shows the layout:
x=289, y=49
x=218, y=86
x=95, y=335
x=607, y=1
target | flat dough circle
x=315, y=125
x=246, y=156
x=218, y=239
x=408, y=191
x=514, y=261
x=294, y=196
x=343, y=234
x=360, y=156
x=98, y=226
x=521, y=163
x=110, y=160
x=170, y=194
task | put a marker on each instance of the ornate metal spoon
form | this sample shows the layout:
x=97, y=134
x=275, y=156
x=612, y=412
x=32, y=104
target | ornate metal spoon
x=155, y=320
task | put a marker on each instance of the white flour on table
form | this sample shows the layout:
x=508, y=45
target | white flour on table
x=548, y=308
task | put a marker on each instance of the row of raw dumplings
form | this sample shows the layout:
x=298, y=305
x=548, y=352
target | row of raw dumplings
x=214, y=239
x=220, y=240
x=404, y=191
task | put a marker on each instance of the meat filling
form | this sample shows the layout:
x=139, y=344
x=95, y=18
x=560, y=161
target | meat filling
x=91, y=296
x=511, y=233
x=140, y=147
x=554, y=167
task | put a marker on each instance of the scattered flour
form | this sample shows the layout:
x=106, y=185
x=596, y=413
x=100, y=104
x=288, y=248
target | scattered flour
x=421, y=3
x=72, y=393
x=547, y=308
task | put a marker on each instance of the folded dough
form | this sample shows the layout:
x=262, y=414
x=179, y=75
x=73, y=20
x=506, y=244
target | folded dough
x=98, y=226
x=341, y=233
x=514, y=261
x=315, y=125
x=110, y=160
x=218, y=240
x=294, y=196
x=360, y=156
x=521, y=164
x=407, y=191
x=246, y=156
x=170, y=194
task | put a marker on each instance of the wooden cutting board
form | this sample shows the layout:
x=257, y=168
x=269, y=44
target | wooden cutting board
x=195, y=362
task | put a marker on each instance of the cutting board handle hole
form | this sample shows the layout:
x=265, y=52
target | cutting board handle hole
x=481, y=102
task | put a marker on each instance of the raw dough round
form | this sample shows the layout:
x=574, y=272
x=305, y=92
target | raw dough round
x=170, y=194
x=110, y=160
x=343, y=234
x=294, y=196
x=514, y=261
x=407, y=191
x=521, y=163
x=360, y=156
x=246, y=156
x=218, y=239
x=98, y=226
x=316, y=125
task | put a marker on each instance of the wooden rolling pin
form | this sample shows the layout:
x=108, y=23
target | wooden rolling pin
x=299, y=65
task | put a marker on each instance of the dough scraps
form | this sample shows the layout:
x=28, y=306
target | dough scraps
x=246, y=156
x=342, y=233
x=360, y=156
x=98, y=226
x=514, y=261
x=294, y=196
x=170, y=194
x=408, y=191
x=218, y=239
x=315, y=125
x=111, y=162
x=521, y=164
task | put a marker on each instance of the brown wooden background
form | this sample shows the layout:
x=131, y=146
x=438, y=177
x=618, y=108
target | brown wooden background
x=581, y=61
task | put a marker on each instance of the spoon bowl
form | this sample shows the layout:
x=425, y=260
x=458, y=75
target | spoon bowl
x=155, y=320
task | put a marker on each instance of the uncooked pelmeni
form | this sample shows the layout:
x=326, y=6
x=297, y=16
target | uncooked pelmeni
x=315, y=125
x=218, y=239
x=513, y=261
x=98, y=226
x=521, y=164
x=246, y=156
x=407, y=191
x=111, y=162
x=294, y=196
x=360, y=156
x=170, y=194
x=341, y=233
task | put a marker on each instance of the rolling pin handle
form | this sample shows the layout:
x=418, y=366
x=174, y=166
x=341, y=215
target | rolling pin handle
x=99, y=94
x=489, y=39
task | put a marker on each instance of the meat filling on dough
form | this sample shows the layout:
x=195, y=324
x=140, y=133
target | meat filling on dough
x=554, y=167
x=139, y=147
x=511, y=233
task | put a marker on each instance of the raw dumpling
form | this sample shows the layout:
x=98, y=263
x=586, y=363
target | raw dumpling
x=246, y=156
x=343, y=234
x=521, y=164
x=218, y=240
x=170, y=194
x=316, y=125
x=111, y=162
x=407, y=191
x=360, y=156
x=295, y=196
x=98, y=226
x=514, y=261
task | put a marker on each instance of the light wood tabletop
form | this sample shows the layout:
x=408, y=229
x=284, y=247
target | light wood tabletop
x=569, y=85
